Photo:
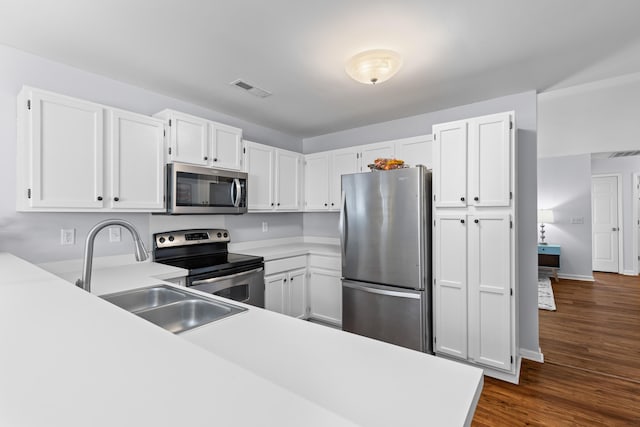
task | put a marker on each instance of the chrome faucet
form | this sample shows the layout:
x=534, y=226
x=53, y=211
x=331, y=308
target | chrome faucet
x=140, y=250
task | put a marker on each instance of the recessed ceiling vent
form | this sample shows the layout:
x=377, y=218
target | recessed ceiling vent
x=253, y=90
x=625, y=154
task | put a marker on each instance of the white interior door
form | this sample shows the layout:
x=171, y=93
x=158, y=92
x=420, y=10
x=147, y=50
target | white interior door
x=605, y=225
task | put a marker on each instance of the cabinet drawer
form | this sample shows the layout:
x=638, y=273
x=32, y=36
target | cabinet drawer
x=285, y=264
x=323, y=261
x=549, y=249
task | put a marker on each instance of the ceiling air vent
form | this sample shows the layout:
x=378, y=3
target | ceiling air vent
x=253, y=90
x=624, y=154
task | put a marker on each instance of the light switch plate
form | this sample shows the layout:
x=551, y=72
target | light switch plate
x=265, y=226
x=577, y=220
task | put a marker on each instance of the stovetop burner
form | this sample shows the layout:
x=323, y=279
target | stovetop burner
x=200, y=251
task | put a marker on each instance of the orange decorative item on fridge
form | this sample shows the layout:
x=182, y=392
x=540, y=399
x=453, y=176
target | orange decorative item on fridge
x=386, y=164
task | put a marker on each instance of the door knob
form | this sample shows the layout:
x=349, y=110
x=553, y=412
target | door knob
x=615, y=229
x=476, y=198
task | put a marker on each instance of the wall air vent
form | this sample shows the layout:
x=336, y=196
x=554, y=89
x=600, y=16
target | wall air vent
x=253, y=90
x=624, y=154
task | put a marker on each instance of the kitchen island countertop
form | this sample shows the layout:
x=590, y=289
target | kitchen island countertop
x=73, y=359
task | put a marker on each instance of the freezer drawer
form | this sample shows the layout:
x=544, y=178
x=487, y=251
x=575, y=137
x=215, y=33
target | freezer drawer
x=394, y=315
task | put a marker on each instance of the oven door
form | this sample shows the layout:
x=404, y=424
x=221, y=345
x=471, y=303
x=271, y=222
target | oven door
x=244, y=286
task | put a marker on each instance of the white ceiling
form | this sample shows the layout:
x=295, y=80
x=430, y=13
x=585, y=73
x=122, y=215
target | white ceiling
x=455, y=52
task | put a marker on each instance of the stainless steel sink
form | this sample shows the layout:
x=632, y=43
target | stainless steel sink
x=142, y=299
x=175, y=310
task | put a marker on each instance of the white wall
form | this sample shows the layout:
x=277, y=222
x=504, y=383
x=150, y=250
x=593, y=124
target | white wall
x=592, y=118
x=36, y=236
x=626, y=166
x=564, y=186
x=525, y=106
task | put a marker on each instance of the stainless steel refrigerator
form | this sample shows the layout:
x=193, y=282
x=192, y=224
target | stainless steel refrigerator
x=385, y=235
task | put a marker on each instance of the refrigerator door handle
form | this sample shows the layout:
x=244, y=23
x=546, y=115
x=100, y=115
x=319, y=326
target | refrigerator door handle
x=382, y=291
x=343, y=227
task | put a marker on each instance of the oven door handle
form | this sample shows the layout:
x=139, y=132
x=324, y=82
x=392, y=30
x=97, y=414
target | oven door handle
x=233, y=276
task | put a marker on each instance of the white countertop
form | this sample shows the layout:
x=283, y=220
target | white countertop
x=76, y=360
x=285, y=248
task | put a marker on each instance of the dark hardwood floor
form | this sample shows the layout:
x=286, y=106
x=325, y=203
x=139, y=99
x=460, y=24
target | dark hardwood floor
x=591, y=374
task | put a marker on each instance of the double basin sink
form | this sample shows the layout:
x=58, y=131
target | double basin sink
x=173, y=309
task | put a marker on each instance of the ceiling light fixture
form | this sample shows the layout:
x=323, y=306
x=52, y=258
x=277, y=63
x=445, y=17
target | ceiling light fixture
x=373, y=66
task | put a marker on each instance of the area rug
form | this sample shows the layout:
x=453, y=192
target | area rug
x=545, y=294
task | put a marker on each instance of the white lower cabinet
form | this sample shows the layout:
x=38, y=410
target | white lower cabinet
x=325, y=295
x=473, y=299
x=285, y=284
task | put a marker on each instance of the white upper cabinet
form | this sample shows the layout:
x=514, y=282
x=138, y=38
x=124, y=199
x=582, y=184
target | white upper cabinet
x=370, y=152
x=78, y=156
x=202, y=142
x=225, y=146
x=137, y=161
x=415, y=151
x=187, y=137
x=490, y=160
x=60, y=147
x=316, y=190
x=275, y=178
x=343, y=162
x=450, y=164
x=288, y=180
x=260, y=166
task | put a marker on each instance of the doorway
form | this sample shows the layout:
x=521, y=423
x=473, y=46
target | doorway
x=606, y=217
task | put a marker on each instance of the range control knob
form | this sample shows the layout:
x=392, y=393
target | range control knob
x=171, y=238
x=219, y=235
x=226, y=234
x=161, y=240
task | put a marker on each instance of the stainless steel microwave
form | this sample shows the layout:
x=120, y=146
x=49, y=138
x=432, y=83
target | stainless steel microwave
x=201, y=190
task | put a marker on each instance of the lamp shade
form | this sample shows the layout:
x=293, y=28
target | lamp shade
x=545, y=216
x=373, y=66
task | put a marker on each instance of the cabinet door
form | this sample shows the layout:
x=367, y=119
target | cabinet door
x=226, y=146
x=188, y=139
x=325, y=295
x=66, y=152
x=259, y=165
x=274, y=293
x=137, y=161
x=288, y=180
x=316, y=182
x=415, y=151
x=490, y=297
x=450, y=298
x=343, y=162
x=297, y=301
x=370, y=152
x=450, y=164
x=490, y=160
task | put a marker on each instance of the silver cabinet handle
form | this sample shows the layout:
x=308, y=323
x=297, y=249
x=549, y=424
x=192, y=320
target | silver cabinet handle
x=233, y=276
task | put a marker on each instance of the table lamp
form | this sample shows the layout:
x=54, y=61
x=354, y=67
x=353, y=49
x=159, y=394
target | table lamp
x=544, y=216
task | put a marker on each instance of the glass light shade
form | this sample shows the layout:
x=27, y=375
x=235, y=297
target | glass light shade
x=373, y=66
x=545, y=216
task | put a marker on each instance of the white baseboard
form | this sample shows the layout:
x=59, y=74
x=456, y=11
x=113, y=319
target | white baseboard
x=576, y=277
x=629, y=273
x=536, y=356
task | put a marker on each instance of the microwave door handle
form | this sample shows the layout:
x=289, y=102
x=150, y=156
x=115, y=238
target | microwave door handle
x=238, y=190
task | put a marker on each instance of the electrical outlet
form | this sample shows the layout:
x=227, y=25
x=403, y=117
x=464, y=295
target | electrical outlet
x=265, y=226
x=114, y=234
x=68, y=236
